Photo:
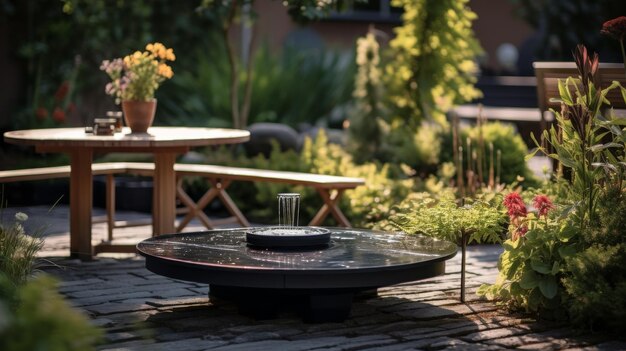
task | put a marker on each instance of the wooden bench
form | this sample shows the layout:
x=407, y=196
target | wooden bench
x=548, y=75
x=109, y=169
x=330, y=188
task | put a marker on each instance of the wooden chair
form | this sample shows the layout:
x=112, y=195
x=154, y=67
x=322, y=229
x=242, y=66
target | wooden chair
x=549, y=73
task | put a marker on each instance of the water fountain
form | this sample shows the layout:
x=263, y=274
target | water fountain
x=288, y=234
x=266, y=270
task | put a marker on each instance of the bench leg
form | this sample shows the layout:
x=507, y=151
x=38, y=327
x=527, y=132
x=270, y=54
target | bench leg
x=195, y=209
x=330, y=206
x=229, y=203
x=218, y=189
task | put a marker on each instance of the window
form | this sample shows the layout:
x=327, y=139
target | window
x=379, y=11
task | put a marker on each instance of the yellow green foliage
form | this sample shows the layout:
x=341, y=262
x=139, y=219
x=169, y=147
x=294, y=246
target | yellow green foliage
x=433, y=55
x=442, y=218
x=367, y=118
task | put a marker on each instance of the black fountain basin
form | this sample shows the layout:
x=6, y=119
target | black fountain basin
x=321, y=281
x=288, y=237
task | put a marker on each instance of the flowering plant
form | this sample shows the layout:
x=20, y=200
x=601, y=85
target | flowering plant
x=518, y=214
x=532, y=264
x=137, y=76
x=616, y=28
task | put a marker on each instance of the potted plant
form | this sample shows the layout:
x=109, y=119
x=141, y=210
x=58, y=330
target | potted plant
x=134, y=79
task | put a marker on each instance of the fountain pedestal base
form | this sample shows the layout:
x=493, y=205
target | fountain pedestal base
x=313, y=305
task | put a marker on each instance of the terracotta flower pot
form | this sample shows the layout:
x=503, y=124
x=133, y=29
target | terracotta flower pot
x=139, y=115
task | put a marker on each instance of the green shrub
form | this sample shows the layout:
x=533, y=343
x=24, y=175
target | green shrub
x=512, y=148
x=596, y=282
x=196, y=96
x=34, y=316
x=419, y=149
x=443, y=219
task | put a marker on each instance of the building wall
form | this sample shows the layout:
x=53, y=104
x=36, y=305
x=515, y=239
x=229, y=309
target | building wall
x=496, y=24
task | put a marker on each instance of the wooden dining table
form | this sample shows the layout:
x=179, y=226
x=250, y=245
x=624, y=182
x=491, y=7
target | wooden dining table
x=165, y=143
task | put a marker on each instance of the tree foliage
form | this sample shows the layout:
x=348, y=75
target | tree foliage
x=367, y=118
x=432, y=66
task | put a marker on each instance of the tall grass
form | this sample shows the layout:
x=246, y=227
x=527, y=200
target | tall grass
x=18, y=251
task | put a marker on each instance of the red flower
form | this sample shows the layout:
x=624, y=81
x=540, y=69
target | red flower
x=62, y=91
x=615, y=28
x=515, y=205
x=543, y=204
x=41, y=113
x=71, y=108
x=58, y=115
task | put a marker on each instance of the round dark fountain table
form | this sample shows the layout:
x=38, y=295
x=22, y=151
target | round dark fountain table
x=320, y=282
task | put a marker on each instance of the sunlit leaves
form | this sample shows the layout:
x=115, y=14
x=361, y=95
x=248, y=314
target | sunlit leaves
x=433, y=52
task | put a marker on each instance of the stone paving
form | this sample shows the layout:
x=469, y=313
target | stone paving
x=142, y=311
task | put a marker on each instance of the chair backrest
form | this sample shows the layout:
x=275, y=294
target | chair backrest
x=548, y=74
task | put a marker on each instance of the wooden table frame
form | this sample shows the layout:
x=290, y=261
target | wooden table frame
x=81, y=149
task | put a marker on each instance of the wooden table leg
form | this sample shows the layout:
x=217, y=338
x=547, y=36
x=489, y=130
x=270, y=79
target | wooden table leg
x=330, y=206
x=164, y=198
x=81, y=201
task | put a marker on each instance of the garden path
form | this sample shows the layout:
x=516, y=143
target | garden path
x=142, y=311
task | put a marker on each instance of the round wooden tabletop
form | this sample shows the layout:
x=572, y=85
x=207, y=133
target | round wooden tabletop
x=155, y=138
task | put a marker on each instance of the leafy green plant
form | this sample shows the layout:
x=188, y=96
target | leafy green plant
x=477, y=222
x=578, y=143
x=36, y=317
x=196, y=96
x=596, y=280
x=597, y=159
x=534, y=258
x=572, y=263
x=33, y=315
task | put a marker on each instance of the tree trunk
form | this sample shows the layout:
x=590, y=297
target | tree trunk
x=463, y=247
x=234, y=70
x=245, y=109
